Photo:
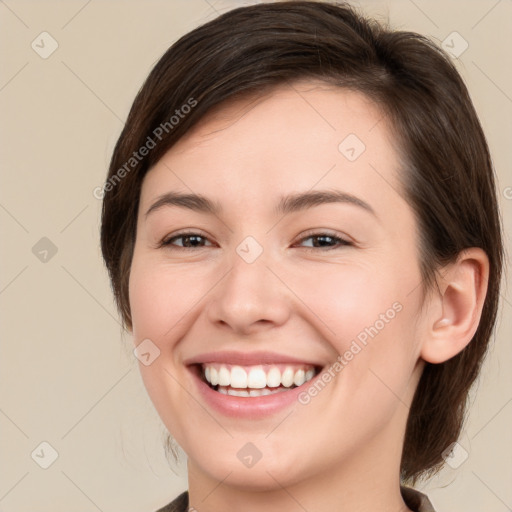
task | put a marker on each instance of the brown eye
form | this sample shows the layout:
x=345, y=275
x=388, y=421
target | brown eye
x=325, y=241
x=189, y=241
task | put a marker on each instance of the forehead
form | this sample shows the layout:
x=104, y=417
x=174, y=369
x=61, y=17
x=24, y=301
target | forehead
x=310, y=109
x=296, y=137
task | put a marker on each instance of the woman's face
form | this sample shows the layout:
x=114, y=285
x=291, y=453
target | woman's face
x=265, y=282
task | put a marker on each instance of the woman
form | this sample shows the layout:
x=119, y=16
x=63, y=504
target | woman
x=302, y=234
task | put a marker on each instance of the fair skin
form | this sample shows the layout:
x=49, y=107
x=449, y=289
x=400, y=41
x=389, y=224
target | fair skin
x=298, y=298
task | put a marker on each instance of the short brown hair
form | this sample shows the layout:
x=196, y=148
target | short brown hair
x=447, y=172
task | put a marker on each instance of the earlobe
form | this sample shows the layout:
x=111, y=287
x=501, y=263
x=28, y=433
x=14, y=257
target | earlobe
x=463, y=287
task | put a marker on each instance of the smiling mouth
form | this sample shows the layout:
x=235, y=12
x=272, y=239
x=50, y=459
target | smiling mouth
x=256, y=380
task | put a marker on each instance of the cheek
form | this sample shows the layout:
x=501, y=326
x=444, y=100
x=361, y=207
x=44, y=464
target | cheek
x=161, y=296
x=346, y=299
x=162, y=300
x=368, y=315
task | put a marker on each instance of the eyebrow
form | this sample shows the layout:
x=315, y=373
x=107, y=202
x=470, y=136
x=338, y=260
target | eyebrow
x=287, y=204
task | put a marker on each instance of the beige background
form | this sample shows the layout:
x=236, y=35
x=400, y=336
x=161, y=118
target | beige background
x=68, y=375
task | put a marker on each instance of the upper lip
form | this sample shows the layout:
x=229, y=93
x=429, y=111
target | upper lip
x=247, y=358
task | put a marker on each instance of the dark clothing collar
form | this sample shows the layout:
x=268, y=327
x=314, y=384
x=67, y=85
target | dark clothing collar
x=414, y=499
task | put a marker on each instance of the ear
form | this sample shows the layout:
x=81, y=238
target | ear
x=454, y=312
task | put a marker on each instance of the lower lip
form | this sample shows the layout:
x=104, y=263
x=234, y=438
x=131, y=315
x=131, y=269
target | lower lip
x=249, y=407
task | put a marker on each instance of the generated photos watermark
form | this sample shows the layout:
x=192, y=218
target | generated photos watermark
x=151, y=143
x=356, y=346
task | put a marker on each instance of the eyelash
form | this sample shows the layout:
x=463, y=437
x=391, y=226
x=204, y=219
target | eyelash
x=340, y=241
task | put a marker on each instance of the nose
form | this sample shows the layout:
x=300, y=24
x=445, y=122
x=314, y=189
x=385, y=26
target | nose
x=250, y=298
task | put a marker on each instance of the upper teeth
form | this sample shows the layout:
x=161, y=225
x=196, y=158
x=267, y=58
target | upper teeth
x=257, y=377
